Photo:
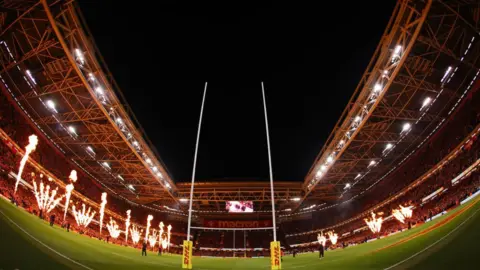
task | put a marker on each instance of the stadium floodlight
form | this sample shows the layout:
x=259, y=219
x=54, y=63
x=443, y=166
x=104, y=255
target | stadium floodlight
x=329, y=159
x=149, y=161
x=397, y=49
x=372, y=162
x=358, y=118
x=79, y=56
x=51, y=105
x=296, y=199
x=72, y=130
x=347, y=186
x=167, y=185
x=91, y=77
x=358, y=175
x=90, y=149
x=426, y=101
x=342, y=142
x=447, y=72
x=396, y=53
x=377, y=88
x=406, y=127
x=120, y=177
x=288, y=209
x=131, y=187
x=29, y=74
x=183, y=200
x=385, y=73
x=154, y=168
x=319, y=174
x=106, y=165
x=119, y=120
x=99, y=90
x=388, y=146
x=323, y=168
x=159, y=174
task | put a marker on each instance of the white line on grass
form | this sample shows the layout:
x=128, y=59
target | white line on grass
x=45, y=245
x=436, y=242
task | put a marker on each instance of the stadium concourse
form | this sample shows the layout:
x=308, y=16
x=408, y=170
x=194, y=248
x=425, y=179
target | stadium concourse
x=396, y=185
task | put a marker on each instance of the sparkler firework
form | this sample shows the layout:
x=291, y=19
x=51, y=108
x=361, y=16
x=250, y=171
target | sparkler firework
x=32, y=145
x=149, y=219
x=113, y=228
x=168, y=235
x=152, y=239
x=375, y=224
x=68, y=191
x=102, y=209
x=127, y=225
x=402, y=213
x=333, y=237
x=321, y=239
x=135, y=234
x=46, y=201
x=81, y=217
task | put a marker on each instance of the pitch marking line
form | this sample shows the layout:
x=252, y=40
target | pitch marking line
x=45, y=245
x=433, y=244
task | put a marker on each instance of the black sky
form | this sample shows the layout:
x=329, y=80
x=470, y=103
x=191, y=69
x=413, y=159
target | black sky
x=311, y=57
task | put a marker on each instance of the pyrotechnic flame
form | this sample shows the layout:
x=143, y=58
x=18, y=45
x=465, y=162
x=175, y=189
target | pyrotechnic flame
x=73, y=176
x=333, y=237
x=68, y=193
x=321, y=239
x=169, y=229
x=46, y=201
x=102, y=209
x=127, y=225
x=375, y=224
x=81, y=217
x=32, y=144
x=406, y=211
x=152, y=239
x=135, y=234
x=398, y=215
x=164, y=243
x=113, y=228
x=161, y=230
x=149, y=218
x=402, y=213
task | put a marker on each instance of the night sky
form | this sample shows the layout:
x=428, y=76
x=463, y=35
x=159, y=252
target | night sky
x=310, y=58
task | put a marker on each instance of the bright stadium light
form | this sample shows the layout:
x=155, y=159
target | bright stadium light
x=397, y=49
x=106, y=165
x=372, y=162
x=447, y=72
x=120, y=177
x=159, y=174
x=358, y=175
x=288, y=209
x=329, y=159
x=79, y=56
x=426, y=101
x=91, y=77
x=72, y=130
x=99, y=90
x=131, y=187
x=358, y=118
x=319, y=174
x=296, y=199
x=396, y=53
x=119, y=120
x=377, y=88
x=155, y=169
x=406, y=127
x=90, y=149
x=29, y=74
x=323, y=168
x=149, y=161
x=388, y=146
x=342, y=142
x=347, y=186
x=183, y=200
x=51, y=105
x=167, y=185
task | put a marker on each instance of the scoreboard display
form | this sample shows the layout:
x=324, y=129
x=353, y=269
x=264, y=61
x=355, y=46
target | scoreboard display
x=239, y=206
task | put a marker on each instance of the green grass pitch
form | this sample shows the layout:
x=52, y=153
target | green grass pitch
x=454, y=247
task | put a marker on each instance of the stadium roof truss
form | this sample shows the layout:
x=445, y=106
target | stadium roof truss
x=426, y=62
x=54, y=72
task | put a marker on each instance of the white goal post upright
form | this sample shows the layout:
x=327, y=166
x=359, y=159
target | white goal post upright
x=188, y=245
x=270, y=166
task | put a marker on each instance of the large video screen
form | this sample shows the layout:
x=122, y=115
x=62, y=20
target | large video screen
x=239, y=207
